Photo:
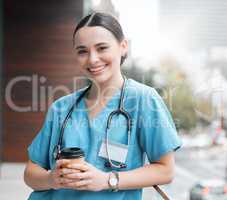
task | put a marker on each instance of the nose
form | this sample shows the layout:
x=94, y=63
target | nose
x=93, y=57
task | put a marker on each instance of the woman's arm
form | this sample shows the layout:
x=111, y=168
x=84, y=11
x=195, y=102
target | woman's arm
x=39, y=178
x=161, y=172
x=36, y=177
x=93, y=179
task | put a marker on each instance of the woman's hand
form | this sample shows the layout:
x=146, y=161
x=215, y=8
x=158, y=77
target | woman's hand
x=89, y=178
x=57, y=177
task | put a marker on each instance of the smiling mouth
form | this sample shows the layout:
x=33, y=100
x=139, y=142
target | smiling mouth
x=97, y=70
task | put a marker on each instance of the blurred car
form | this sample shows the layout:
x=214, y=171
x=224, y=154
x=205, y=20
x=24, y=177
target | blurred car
x=209, y=190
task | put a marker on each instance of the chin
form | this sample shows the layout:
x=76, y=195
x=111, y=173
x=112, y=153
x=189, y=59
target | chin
x=101, y=79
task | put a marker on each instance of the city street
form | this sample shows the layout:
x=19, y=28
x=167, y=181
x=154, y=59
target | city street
x=193, y=165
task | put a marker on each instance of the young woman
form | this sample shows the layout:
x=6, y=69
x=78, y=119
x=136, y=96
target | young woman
x=118, y=173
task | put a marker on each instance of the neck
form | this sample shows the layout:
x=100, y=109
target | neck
x=106, y=89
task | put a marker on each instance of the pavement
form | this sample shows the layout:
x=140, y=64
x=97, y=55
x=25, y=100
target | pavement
x=12, y=186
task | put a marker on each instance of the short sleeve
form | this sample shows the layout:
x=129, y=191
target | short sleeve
x=38, y=151
x=157, y=134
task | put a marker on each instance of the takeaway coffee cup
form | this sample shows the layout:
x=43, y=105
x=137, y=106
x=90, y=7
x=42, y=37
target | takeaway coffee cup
x=74, y=154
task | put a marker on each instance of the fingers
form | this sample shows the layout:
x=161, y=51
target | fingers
x=57, y=180
x=62, y=181
x=61, y=162
x=64, y=171
x=81, y=167
x=79, y=175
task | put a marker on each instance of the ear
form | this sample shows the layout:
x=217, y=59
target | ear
x=124, y=47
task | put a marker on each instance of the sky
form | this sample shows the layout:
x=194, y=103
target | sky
x=140, y=24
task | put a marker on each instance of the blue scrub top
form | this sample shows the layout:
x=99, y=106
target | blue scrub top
x=153, y=134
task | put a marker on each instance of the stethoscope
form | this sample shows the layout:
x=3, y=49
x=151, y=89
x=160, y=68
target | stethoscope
x=119, y=111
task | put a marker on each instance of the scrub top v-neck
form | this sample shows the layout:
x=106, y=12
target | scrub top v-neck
x=153, y=134
x=103, y=110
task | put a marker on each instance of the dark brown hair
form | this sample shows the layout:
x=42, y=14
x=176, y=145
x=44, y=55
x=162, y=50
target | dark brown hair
x=104, y=20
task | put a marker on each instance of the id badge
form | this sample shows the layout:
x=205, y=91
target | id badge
x=117, y=151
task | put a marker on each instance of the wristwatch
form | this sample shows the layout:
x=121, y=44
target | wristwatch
x=113, y=181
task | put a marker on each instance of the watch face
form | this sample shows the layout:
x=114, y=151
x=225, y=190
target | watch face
x=113, y=181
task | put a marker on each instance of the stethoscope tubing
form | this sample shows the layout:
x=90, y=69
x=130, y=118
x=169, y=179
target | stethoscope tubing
x=59, y=144
x=121, y=111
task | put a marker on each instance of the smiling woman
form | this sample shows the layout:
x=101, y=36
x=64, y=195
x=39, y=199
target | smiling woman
x=114, y=166
x=104, y=52
x=98, y=57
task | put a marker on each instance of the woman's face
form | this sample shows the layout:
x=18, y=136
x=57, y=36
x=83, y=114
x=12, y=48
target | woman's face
x=98, y=53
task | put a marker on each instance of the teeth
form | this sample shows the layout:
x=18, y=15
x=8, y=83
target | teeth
x=96, y=69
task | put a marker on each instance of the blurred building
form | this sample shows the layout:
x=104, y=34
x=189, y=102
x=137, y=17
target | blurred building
x=199, y=25
x=204, y=21
x=106, y=6
x=38, y=67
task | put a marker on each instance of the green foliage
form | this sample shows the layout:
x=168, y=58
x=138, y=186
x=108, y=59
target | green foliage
x=180, y=101
x=181, y=106
x=186, y=109
x=137, y=74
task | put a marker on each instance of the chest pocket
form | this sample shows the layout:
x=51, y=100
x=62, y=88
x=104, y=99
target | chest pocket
x=118, y=142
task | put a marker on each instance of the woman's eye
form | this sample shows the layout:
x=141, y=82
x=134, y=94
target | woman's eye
x=103, y=48
x=81, y=52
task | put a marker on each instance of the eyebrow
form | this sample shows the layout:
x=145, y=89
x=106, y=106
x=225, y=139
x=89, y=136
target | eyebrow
x=97, y=45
